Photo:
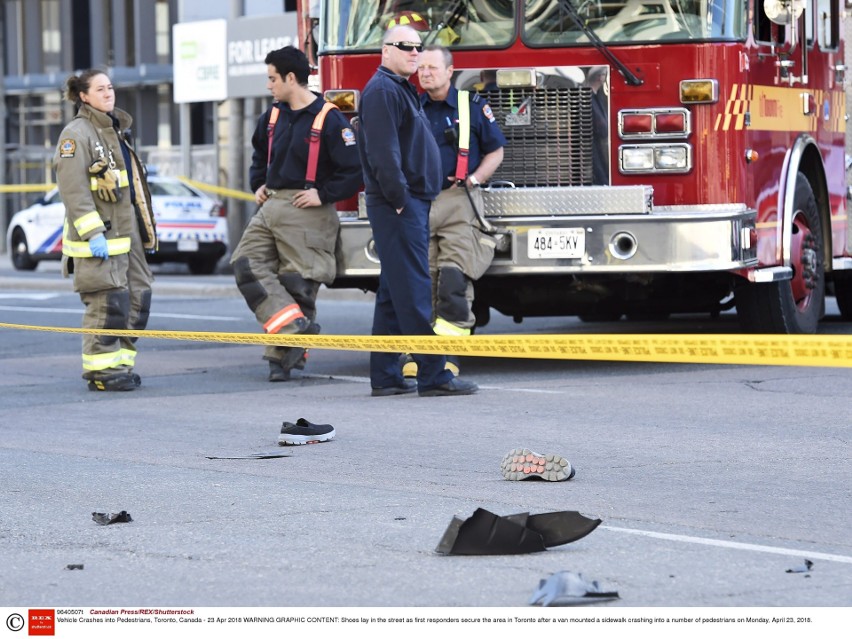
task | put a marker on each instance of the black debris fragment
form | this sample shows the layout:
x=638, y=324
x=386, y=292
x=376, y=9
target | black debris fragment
x=485, y=533
x=105, y=519
x=261, y=455
x=74, y=567
x=806, y=566
x=567, y=588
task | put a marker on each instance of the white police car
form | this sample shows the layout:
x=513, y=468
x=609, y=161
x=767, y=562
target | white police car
x=191, y=226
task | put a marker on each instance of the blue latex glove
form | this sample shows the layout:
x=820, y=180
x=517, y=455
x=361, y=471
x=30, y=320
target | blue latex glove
x=98, y=245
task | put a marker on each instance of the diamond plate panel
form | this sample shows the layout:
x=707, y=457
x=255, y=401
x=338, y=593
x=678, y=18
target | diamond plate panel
x=588, y=200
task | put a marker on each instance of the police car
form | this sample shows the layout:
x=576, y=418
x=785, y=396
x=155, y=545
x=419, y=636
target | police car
x=191, y=227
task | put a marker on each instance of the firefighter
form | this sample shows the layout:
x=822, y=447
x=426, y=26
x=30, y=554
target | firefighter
x=471, y=146
x=305, y=159
x=109, y=225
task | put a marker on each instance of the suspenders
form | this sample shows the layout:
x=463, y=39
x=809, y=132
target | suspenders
x=314, y=143
x=464, y=136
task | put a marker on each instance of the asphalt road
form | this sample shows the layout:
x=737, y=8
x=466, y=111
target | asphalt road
x=712, y=481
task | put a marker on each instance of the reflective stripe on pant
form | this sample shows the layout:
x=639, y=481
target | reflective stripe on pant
x=404, y=300
x=117, y=294
x=456, y=242
x=281, y=259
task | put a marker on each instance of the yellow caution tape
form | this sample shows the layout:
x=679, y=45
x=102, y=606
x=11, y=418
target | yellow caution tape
x=220, y=190
x=26, y=188
x=763, y=350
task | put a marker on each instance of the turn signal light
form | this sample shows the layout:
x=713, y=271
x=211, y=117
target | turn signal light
x=654, y=123
x=347, y=100
x=636, y=123
x=699, y=91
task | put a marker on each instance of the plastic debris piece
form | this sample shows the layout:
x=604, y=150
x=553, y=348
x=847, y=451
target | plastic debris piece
x=806, y=566
x=485, y=533
x=105, y=519
x=74, y=567
x=557, y=528
x=567, y=588
x=272, y=454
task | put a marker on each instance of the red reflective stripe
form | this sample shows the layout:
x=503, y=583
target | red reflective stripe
x=313, y=150
x=270, y=130
x=283, y=317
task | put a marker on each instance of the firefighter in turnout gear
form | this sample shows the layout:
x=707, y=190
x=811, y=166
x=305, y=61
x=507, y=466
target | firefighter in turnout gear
x=109, y=225
x=305, y=159
x=471, y=146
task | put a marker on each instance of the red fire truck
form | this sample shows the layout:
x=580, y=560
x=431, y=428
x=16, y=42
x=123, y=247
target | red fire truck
x=664, y=156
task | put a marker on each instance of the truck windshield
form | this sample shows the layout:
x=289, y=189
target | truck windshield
x=358, y=25
x=549, y=23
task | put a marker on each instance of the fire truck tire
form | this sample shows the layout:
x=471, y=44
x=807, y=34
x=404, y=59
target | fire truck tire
x=792, y=306
x=843, y=293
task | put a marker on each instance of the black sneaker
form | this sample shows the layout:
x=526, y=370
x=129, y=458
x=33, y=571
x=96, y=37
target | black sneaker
x=115, y=382
x=304, y=432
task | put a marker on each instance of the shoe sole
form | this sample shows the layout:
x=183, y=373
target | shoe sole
x=522, y=463
x=301, y=440
x=390, y=392
x=438, y=392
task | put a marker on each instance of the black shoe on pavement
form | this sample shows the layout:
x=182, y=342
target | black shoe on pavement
x=455, y=386
x=115, y=382
x=407, y=386
x=304, y=432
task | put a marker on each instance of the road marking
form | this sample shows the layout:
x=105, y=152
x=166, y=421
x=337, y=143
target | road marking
x=844, y=559
x=74, y=311
x=28, y=296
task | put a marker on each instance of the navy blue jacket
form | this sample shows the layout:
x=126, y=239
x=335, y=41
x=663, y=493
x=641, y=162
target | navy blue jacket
x=485, y=133
x=338, y=169
x=399, y=155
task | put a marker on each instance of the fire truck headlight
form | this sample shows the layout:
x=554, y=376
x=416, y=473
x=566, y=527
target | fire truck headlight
x=655, y=158
x=671, y=158
x=344, y=99
x=636, y=158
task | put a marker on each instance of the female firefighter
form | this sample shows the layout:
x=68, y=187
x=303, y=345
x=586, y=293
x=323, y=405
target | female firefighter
x=109, y=225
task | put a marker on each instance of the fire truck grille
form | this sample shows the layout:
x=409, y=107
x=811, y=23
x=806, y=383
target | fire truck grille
x=548, y=133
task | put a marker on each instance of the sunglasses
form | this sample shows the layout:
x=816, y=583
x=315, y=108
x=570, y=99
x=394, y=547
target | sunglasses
x=408, y=47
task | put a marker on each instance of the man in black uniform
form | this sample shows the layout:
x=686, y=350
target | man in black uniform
x=287, y=250
x=402, y=175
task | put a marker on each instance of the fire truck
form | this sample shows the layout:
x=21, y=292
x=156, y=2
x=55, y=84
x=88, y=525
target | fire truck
x=663, y=156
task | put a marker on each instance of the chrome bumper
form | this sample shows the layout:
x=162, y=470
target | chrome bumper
x=657, y=239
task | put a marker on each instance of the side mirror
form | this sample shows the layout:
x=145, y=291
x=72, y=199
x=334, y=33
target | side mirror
x=783, y=11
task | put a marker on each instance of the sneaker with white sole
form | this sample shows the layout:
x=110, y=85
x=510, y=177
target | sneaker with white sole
x=522, y=463
x=304, y=432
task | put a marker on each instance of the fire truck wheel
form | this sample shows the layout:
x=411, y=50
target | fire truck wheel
x=795, y=305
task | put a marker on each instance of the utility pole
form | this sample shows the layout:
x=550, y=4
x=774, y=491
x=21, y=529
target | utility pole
x=236, y=144
x=4, y=214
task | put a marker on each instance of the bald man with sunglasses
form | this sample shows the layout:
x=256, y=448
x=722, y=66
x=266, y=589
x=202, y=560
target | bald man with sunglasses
x=402, y=176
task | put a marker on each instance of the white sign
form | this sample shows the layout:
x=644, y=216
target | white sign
x=200, y=61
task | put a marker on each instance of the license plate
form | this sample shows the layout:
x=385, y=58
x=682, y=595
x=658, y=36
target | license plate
x=187, y=245
x=556, y=243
